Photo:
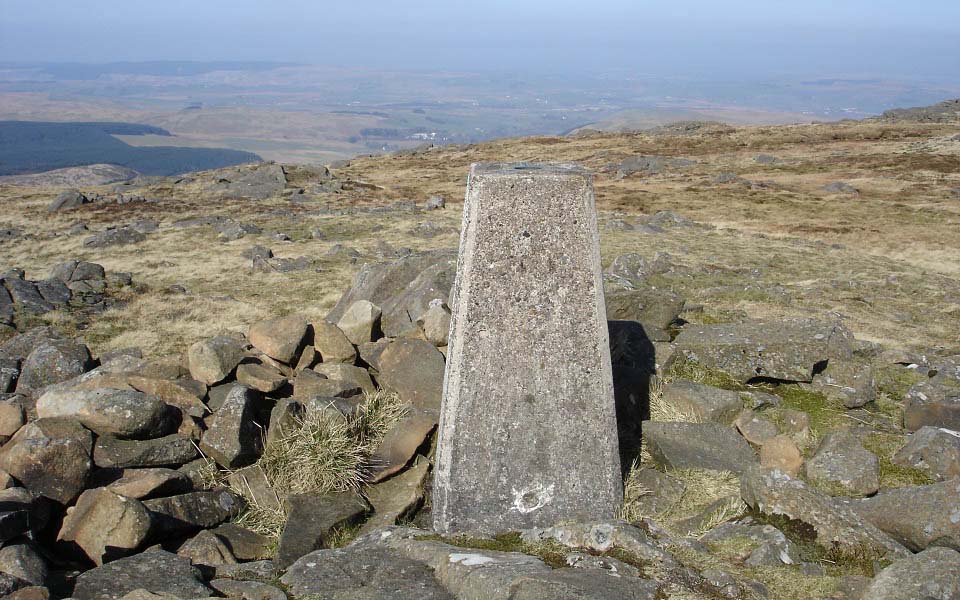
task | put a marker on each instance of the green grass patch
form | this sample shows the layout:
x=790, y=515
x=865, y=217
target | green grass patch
x=885, y=445
x=836, y=561
x=824, y=414
x=688, y=369
x=783, y=583
x=893, y=381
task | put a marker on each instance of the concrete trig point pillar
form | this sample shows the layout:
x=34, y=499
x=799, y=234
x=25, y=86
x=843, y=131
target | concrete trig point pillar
x=528, y=433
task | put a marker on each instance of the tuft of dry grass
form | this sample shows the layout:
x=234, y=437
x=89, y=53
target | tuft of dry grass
x=324, y=452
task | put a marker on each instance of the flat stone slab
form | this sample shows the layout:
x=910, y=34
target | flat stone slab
x=528, y=431
x=788, y=350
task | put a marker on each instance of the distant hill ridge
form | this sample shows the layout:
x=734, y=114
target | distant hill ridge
x=947, y=111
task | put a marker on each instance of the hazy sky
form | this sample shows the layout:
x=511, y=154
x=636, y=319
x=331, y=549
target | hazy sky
x=729, y=38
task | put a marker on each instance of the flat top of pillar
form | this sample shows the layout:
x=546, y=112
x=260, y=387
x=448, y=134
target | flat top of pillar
x=527, y=168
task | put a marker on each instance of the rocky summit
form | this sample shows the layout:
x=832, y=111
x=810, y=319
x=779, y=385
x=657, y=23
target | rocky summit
x=232, y=383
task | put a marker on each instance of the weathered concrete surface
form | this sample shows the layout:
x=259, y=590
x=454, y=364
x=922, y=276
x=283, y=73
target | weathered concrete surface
x=528, y=431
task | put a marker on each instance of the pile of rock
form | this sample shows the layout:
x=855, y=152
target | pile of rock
x=107, y=458
x=72, y=198
x=70, y=284
x=108, y=462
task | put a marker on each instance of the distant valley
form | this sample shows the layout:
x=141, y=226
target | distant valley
x=196, y=115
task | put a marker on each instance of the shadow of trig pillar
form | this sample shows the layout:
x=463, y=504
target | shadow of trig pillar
x=528, y=432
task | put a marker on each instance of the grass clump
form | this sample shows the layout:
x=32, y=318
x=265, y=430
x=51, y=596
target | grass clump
x=835, y=560
x=892, y=475
x=824, y=415
x=695, y=371
x=708, y=499
x=324, y=452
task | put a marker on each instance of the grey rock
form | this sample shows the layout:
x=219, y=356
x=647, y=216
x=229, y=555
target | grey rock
x=50, y=457
x=429, y=230
x=156, y=571
x=604, y=536
x=313, y=518
x=354, y=376
x=23, y=561
x=68, y=199
x=370, y=353
x=9, y=373
x=400, y=444
x=653, y=308
x=105, y=526
x=435, y=324
x=233, y=438
x=762, y=545
x=528, y=351
x=366, y=574
x=653, y=492
x=211, y=361
x=256, y=182
x=841, y=187
x=414, y=369
x=235, y=231
x=933, y=450
x=837, y=525
x=26, y=296
x=341, y=251
x=435, y=202
x=281, y=338
x=87, y=271
x=145, y=225
x=243, y=543
x=168, y=451
x=260, y=377
x=936, y=401
x=285, y=418
x=930, y=575
x=207, y=549
x=843, y=467
x=850, y=383
x=396, y=497
x=582, y=584
x=258, y=252
x=633, y=268
x=21, y=345
x=114, y=237
x=12, y=416
x=247, y=590
x=332, y=344
x=766, y=159
x=192, y=511
x=252, y=483
x=20, y=513
x=53, y=362
x=144, y=483
x=361, y=322
x=697, y=446
x=650, y=165
x=917, y=516
x=55, y=292
x=264, y=570
x=785, y=350
x=310, y=384
x=754, y=428
x=463, y=572
x=11, y=586
x=124, y=413
x=403, y=288
x=705, y=402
